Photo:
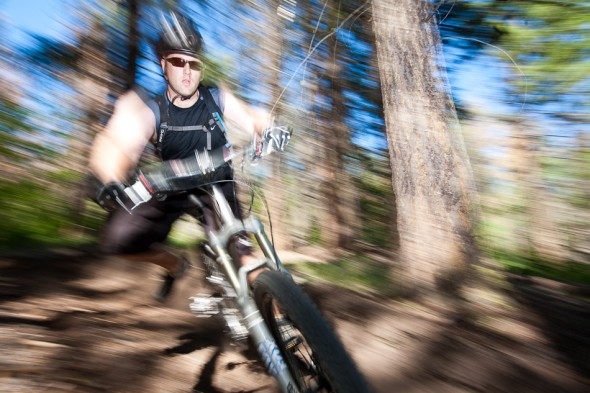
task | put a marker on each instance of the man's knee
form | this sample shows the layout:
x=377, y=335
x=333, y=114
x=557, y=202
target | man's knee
x=239, y=246
x=123, y=239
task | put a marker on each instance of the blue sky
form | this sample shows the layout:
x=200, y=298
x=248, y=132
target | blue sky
x=46, y=17
x=52, y=18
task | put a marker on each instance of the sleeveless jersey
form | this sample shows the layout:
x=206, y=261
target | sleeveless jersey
x=181, y=131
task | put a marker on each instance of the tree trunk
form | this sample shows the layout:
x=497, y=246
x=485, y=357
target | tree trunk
x=431, y=172
x=537, y=234
x=340, y=195
x=277, y=185
x=133, y=43
x=336, y=232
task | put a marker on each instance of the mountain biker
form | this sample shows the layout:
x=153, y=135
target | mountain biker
x=180, y=121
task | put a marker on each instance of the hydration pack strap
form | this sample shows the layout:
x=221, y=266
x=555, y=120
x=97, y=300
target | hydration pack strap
x=161, y=123
x=189, y=128
x=212, y=107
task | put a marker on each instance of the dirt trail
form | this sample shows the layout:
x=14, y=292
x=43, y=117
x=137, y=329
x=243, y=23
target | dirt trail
x=70, y=322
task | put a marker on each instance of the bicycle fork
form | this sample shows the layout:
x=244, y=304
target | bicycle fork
x=256, y=326
x=252, y=319
x=267, y=347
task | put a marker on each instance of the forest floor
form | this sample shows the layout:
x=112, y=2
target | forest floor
x=71, y=321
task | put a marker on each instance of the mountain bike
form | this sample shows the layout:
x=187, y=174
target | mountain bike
x=295, y=342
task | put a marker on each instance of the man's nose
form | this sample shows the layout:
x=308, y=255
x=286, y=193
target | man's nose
x=186, y=69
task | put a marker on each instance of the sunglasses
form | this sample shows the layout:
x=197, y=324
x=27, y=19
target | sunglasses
x=180, y=63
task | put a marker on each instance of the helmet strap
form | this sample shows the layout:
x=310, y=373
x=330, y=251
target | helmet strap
x=178, y=95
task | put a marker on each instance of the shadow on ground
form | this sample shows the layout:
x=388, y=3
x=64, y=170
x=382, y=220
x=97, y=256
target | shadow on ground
x=565, y=320
x=74, y=321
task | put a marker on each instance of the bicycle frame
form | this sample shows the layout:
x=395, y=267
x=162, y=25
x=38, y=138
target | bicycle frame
x=219, y=241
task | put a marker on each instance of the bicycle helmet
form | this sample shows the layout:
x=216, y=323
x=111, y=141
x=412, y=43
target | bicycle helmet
x=178, y=35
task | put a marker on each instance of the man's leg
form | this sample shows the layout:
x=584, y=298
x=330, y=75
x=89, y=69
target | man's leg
x=241, y=250
x=138, y=237
x=163, y=258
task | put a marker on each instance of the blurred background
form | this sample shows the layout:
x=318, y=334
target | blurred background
x=518, y=72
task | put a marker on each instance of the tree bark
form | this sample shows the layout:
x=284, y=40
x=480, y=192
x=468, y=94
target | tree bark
x=431, y=172
x=133, y=43
x=277, y=185
x=338, y=189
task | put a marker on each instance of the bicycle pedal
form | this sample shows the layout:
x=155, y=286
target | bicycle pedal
x=205, y=306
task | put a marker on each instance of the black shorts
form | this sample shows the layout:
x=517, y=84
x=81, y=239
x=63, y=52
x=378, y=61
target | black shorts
x=151, y=222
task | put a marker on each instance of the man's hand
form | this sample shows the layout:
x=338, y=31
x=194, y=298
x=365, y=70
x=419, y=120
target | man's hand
x=275, y=139
x=112, y=196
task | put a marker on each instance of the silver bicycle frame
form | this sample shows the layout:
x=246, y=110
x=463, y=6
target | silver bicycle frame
x=252, y=319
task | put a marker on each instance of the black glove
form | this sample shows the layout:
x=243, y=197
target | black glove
x=112, y=196
x=275, y=138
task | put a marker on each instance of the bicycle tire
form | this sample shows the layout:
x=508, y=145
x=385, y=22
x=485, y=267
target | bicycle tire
x=325, y=366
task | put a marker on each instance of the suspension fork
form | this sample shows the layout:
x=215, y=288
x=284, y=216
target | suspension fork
x=257, y=229
x=251, y=225
x=266, y=345
x=252, y=319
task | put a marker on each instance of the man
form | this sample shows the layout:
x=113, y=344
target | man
x=181, y=121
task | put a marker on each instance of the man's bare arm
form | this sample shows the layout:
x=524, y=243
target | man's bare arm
x=118, y=147
x=247, y=118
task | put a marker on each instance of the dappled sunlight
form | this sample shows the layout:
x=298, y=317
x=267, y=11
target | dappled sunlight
x=441, y=221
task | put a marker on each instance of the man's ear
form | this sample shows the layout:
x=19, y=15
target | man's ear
x=163, y=63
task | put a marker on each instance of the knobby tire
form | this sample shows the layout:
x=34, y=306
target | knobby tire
x=283, y=303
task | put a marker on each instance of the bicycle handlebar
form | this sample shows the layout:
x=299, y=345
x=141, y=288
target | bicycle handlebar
x=201, y=169
x=172, y=176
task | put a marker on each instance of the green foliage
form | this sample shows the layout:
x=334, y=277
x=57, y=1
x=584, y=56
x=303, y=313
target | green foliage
x=185, y=234
x=314, y=236
x=544, y=46
x=12, y=117
x=531, y=265
x=375, y=229
x=549, y=42
x=25, y=214
x=15, y=144
x=358, y=272
x=217, y=72
x=31, y=213
x=377, y=199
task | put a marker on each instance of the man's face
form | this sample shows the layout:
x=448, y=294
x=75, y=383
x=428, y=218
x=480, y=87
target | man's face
x=183, y=73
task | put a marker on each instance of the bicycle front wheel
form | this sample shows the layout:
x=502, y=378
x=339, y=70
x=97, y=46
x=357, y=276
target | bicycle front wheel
x=314, y=355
